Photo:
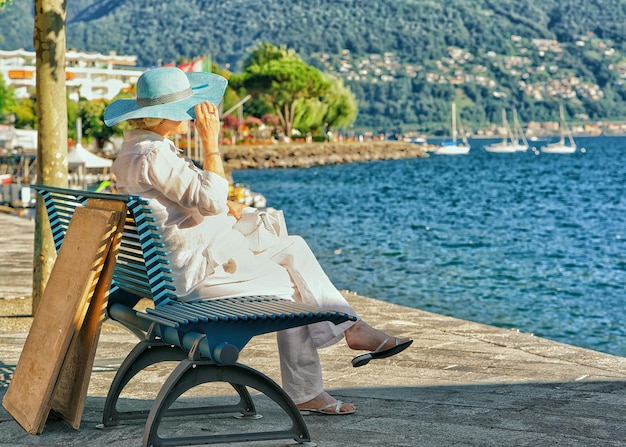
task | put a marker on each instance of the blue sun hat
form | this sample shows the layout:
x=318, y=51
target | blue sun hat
x=167, y=93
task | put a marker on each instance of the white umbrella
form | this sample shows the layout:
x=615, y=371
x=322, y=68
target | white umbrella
x=79, y=156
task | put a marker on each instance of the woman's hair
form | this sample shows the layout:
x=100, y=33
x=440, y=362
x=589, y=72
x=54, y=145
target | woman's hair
x=145, y=123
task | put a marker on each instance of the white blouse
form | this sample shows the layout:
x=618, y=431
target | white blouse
x=209, y=258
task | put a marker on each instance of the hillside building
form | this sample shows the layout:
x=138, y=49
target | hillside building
x=88, y=75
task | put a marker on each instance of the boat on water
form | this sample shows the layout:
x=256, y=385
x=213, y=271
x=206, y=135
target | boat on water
x=520, y=141
x=514, y=139
x=453, y=147
x=508, y=144
x=562, y=146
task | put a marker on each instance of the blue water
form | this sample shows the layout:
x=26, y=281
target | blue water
x=533, y=242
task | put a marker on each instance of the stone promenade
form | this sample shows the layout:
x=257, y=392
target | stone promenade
x=460, y=384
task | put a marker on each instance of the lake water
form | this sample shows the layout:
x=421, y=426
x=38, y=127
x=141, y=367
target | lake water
x=525, y=241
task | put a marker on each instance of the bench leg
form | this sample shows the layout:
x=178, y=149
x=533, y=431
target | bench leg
x=190, y=373
x=145, y=354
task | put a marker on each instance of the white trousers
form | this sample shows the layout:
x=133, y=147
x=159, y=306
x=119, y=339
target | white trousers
x=300, y=367
x=290, y=269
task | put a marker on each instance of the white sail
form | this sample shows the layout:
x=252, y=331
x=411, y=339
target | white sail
x=521, y=144
x=452, y=147
x=561, y=146
x=508, y=143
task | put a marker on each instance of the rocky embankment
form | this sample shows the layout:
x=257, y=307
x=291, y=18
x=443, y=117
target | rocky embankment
x=301, y=155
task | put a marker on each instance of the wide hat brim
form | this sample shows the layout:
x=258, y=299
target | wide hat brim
x=205, y=87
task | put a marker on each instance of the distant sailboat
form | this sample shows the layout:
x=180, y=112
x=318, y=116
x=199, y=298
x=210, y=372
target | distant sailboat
x=514, y=138
x=521, y=143
x=452, y=147
x=509, y=143
x=560, y=147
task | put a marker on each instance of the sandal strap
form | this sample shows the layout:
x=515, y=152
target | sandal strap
x=337, y=404
x=385, y=342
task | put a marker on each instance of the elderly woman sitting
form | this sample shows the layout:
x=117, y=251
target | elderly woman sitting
x=210, y=258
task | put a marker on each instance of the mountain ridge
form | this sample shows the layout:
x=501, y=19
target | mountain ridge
x=418, y=33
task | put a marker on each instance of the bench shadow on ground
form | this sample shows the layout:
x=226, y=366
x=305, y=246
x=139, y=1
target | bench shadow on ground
x=568, y=413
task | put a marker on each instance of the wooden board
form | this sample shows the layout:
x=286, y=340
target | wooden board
x=60, y=314
x=70, y=393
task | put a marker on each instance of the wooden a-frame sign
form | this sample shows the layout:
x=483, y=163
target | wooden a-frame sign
x=55, y=364
x=70, y=393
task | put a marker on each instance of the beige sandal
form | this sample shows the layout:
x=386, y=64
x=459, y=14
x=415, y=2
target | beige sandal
x=364, y=359
x=335, y=408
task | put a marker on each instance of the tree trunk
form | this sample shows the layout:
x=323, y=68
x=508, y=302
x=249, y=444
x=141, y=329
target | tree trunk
x=288, y=121
x=49, y=42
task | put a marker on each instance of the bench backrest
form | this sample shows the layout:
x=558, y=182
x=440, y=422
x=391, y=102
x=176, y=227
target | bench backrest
x=142, y=265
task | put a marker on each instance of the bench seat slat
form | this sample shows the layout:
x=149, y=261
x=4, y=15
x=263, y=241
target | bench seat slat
x=255, y=310
x=217, y=309
x=225, y=308
x=176, y=314
x=232, y=310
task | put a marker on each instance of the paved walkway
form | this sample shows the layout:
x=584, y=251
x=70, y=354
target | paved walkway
x=460, y=384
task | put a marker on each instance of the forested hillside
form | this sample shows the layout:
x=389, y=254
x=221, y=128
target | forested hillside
x=406, y=60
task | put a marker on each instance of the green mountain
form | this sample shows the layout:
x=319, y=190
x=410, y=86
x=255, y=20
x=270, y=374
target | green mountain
x=406, y=60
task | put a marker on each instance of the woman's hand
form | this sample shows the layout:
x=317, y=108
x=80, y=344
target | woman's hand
x=235, y=208
x=208, y=125
x=208, y=128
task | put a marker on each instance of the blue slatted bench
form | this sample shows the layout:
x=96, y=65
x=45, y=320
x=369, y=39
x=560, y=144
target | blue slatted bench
x=204, y=337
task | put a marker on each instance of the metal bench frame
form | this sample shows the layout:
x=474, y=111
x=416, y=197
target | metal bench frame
x=204, y=337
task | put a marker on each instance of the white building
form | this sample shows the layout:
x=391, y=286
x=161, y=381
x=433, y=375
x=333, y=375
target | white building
x=88, y=75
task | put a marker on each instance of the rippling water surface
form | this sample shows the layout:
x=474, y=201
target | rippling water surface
x=534, y=242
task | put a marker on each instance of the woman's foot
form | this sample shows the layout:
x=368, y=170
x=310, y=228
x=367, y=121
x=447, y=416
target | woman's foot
x=363, y=337
x=326, y=404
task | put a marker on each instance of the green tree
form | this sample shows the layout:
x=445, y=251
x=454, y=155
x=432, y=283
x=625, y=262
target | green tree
x=25, y=113
x=262, y=54
x=309, y=115
x=324, y=100
x=72, y=115
x=282, y=82
x=7, y=99
x=337, y=108
x=266, y=52
x=92, y=117
x=341, y=105
x=255, y=106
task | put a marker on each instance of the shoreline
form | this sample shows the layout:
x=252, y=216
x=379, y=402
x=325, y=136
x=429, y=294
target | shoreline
x=304, y=155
